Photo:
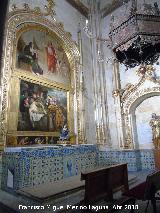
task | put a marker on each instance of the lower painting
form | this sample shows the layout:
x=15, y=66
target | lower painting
x=30, y=140
x=41, y=108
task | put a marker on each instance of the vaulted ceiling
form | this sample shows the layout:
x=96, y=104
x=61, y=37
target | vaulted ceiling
x=106, y=6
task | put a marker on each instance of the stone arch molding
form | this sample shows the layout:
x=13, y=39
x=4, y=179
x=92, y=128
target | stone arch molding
x=129, y=106
x=15, y=22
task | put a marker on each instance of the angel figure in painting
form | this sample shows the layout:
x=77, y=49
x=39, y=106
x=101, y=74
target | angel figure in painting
x=51, y=58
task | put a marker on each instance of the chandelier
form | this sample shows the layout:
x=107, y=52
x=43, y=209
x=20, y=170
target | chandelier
x=134, y=37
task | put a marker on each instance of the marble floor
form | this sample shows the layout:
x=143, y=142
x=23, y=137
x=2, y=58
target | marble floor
x=9, y=202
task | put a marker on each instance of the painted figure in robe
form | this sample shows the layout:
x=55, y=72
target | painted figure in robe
x=51, y=58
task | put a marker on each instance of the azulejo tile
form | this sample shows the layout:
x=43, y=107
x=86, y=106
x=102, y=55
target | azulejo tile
x=136, y=159
x=33, y=167
x=36, y=166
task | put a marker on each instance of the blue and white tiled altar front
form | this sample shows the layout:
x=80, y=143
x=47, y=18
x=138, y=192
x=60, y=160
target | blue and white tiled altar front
x=34, y=166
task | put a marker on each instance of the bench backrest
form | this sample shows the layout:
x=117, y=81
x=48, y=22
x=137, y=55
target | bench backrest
x=152, y=185
x=100, y=183
x=119, y=177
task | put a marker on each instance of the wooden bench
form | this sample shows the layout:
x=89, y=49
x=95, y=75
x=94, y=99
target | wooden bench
x=101, y=183
x=147, y=190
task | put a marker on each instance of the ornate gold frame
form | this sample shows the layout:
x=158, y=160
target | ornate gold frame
x=18, y=22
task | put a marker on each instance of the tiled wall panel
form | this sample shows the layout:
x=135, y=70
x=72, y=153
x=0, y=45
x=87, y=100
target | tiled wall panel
x=137, y=160
x=37, y=166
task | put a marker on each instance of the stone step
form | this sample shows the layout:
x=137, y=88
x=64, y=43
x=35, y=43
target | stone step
x=73, y=194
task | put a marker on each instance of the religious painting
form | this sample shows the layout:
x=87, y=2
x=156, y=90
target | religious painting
x=41, y=108
x=42, y=54
x=30, y=140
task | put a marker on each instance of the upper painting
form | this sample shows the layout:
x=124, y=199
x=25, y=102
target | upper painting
x=42, y=55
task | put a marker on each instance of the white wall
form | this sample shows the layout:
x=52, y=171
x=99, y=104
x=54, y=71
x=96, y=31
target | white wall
x=143, y=116
x=108, y=69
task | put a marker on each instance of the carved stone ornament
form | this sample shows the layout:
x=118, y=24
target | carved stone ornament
x=149, y=73
x=22, y=19
x=48, y=9
x=128, y=103
x=131, y=95
x=116, y=92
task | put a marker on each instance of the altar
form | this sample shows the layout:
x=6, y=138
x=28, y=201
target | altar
x=26, y=167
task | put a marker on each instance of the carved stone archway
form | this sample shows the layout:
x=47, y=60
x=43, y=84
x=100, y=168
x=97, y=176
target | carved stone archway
x=129, y=107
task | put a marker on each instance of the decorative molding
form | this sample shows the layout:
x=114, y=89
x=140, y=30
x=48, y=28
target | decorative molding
x=116, y=93
x=127, y=111
x=149, y=73
x=24, y=75
x=31, y=133
x=79, y=6
x=145, y=73
x=138, y=94
x=49, y=9
x=130, y=88
x=133, y=94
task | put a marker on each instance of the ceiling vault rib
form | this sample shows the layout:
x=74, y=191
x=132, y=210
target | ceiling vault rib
x=109, y=8
x=79, y=6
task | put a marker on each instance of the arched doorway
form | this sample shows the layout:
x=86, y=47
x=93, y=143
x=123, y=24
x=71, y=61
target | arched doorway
x=140, y=115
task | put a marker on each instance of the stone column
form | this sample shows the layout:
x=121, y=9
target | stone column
x=99, y=79
x=82, y=126
x=118, y=104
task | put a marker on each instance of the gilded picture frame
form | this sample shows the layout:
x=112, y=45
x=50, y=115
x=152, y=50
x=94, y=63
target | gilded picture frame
x=19, y=75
